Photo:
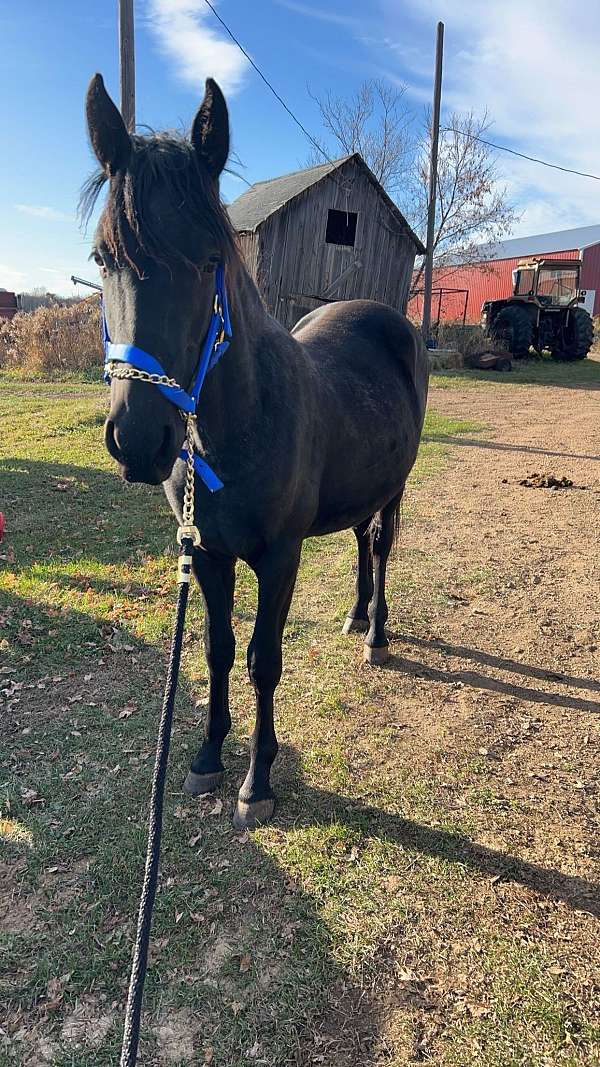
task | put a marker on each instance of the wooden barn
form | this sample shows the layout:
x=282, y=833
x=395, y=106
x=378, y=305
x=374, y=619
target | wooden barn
x=326, y=233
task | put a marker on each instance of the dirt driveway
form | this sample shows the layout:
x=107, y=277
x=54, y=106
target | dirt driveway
x=539, y=545
x=524, y=647
x=510, y=674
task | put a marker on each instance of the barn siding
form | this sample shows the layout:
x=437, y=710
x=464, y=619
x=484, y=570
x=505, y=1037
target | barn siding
x=487, y=281
x=249, y=247
x=294, y=266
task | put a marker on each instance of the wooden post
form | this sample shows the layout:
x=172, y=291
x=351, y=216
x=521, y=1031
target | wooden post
x=127, y=63
x=435, y=136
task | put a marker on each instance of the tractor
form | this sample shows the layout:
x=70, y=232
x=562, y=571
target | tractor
x=542, y=312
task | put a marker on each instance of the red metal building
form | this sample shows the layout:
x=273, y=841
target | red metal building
x=8, y=304
x=492, y=278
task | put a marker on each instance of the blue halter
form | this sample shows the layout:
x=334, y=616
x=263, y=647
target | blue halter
x=215, y=345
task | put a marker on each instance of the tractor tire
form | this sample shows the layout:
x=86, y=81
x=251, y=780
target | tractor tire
x=576, y=339
x=513, y=328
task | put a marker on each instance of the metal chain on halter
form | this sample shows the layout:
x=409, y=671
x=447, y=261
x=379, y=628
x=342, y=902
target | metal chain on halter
x=119, y=370
x=188, y=527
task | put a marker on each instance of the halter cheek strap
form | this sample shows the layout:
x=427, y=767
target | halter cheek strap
x=145, y=367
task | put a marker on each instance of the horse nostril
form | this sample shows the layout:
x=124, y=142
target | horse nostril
x=163, y=455
x=110, y=440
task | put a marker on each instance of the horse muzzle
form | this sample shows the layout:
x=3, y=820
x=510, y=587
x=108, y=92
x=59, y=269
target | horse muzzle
x=143, y=457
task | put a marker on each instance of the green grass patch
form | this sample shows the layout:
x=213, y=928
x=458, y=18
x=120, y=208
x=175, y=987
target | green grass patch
x=581, y=374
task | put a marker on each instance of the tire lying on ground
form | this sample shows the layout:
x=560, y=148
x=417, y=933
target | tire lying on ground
x=513, y=328
x=576, y=337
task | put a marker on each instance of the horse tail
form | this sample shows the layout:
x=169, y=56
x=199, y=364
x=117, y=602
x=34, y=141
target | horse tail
x=392, y=513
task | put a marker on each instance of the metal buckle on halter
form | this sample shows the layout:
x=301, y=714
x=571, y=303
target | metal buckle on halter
x=218, y=310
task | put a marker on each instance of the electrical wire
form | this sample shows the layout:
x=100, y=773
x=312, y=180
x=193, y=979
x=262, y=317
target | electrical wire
x=445, y=129
x=521, y=155
x=268, y=84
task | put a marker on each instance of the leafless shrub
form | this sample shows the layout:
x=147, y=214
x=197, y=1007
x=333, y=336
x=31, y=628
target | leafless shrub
x=53, y=341
x=465, y=339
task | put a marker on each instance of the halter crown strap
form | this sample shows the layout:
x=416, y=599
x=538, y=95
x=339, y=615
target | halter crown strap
x=215, y=345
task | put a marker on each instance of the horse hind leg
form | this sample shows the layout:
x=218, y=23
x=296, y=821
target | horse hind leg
x=383, y=531
x=357, y=619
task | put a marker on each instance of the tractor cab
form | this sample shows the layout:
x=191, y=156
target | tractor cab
x=551, y=282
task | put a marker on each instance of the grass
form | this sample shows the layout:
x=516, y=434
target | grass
x=584, y=373
x=366, y=879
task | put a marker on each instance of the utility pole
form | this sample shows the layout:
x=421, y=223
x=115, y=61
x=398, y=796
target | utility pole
x=127, y=63
x=435, y=136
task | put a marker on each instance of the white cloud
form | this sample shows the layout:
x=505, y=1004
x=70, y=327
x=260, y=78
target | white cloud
x=321, y=14
x=185, y=34
x=41, y=211
x=540, y=81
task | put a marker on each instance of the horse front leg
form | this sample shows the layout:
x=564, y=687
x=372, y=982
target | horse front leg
x=276, y=572
x=216, y=577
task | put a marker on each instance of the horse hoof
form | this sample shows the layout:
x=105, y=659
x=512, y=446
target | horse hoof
x=376, y=656
x=249, y=816
x=358, y=626
x=197, y=784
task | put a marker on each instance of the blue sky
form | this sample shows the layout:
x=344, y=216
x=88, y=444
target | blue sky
x=538, y=77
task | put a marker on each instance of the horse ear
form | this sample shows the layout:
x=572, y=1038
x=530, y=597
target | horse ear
x=110, y=140
x=210, y=129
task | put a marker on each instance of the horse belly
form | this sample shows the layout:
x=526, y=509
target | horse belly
x=368, y=463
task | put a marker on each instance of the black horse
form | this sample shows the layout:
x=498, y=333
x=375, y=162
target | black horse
x=310, y=432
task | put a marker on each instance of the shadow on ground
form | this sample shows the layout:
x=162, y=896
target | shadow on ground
x=499, y=446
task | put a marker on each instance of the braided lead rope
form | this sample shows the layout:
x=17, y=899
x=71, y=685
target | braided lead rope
x=188, y=537
x=133, y=1011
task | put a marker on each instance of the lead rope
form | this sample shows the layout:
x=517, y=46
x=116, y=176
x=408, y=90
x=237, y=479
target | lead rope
x=188, y=537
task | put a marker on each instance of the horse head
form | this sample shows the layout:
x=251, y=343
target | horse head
x=161, y=235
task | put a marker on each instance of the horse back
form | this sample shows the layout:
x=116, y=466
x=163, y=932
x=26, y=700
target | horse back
x=360, y=339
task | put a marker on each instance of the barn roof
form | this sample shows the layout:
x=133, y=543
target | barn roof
x=542, y=243
x=265, y=198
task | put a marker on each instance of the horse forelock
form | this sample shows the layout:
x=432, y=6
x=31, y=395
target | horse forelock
x=168, y=161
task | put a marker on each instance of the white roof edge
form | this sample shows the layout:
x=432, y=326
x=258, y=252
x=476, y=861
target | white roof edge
x=578, y=238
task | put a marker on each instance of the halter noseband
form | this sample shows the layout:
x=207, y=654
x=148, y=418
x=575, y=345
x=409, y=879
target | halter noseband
x=144, y=367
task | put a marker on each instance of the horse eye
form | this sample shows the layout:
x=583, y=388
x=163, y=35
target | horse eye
x=99, y=261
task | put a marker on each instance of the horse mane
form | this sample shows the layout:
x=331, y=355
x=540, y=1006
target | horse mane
x=168, y=159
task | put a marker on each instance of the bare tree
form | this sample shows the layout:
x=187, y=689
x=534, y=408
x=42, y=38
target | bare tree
x=473, y=209
x=374, y=122
x=32, y=299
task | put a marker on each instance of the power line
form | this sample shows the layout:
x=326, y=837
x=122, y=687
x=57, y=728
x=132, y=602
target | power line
x=268, y=84
x=521, y=155
x=445, y=129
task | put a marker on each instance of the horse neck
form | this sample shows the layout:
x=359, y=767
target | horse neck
x=229, y=399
